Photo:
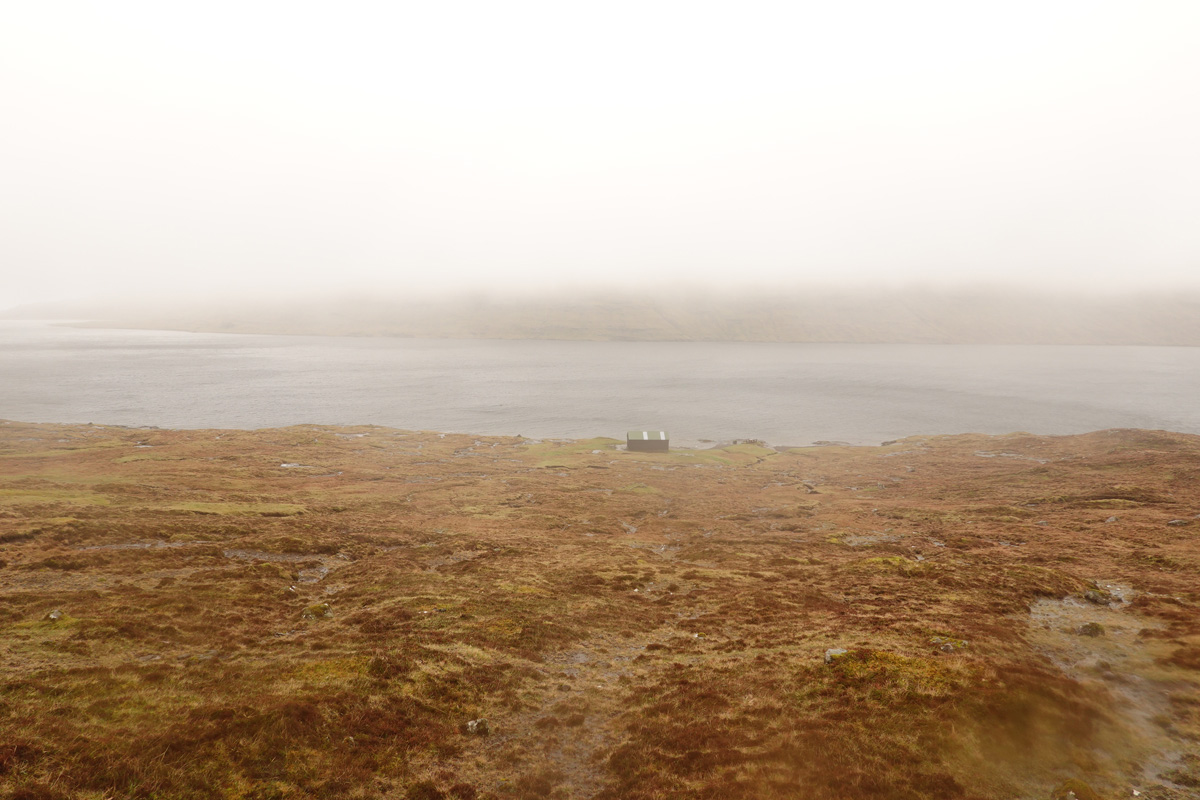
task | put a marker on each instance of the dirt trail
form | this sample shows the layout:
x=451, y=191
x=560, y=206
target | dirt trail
x=565, y=737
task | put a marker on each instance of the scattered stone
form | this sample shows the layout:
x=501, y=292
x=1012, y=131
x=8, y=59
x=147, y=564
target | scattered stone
x=947, y=644
x=834, y=653
x=1111, y=519
x=478, y=727
x=54, y=616
x=1178, y=522
x=319, y=611
x=312, y=574
x=1098, y=596
x=1092, y=629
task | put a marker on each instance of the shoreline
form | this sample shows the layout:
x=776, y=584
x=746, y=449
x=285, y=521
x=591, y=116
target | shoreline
x=600, y=441
x=916, y=342
x=617, y=445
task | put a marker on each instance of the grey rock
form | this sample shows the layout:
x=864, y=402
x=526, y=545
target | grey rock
x=54, y=616
x=834, y=653
x=1111, y=519
x=1098, y=597
x=947, y=644
x=478, y=727
x=1178, y=522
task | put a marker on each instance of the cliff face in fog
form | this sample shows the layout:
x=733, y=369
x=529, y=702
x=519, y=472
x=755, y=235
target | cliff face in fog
x=909, y=316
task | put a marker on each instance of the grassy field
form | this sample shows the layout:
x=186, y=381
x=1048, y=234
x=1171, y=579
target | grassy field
x=373, y=613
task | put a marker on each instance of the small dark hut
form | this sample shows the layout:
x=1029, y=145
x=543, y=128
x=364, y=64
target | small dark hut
x=648, y=441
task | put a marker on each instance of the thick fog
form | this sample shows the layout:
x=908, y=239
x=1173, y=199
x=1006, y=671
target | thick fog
x=276, y=147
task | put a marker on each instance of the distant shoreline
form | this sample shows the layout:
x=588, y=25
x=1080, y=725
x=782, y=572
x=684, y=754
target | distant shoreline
x=820, y=316
x=103, y=325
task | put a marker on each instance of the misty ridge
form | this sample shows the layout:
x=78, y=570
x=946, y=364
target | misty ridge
x=913, y=315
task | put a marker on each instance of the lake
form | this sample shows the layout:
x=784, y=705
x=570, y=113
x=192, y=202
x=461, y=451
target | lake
x=786, y=394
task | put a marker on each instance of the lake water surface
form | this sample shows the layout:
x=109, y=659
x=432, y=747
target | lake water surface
x=786, y=394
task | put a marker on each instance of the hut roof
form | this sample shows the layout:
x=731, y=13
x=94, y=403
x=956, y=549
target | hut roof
x=653, y=436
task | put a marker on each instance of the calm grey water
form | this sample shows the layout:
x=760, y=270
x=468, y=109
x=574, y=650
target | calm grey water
x=783, y=393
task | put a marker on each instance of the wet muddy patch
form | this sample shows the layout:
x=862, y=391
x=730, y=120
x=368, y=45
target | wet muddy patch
x=1097, y=640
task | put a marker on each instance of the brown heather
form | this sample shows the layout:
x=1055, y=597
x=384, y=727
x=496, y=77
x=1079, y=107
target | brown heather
x=318, y=612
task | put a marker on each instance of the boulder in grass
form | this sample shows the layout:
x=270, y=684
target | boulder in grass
x=834, y=653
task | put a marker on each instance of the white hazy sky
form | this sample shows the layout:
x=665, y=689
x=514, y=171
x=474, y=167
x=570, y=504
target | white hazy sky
x=295, y=145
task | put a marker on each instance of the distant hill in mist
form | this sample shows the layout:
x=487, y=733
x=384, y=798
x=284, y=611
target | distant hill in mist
x=919, y=316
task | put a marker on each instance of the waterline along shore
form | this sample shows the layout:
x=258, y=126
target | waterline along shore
x=784, y=394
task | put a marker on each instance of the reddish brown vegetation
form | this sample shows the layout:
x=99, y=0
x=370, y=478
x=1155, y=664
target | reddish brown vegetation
x=630, y=625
